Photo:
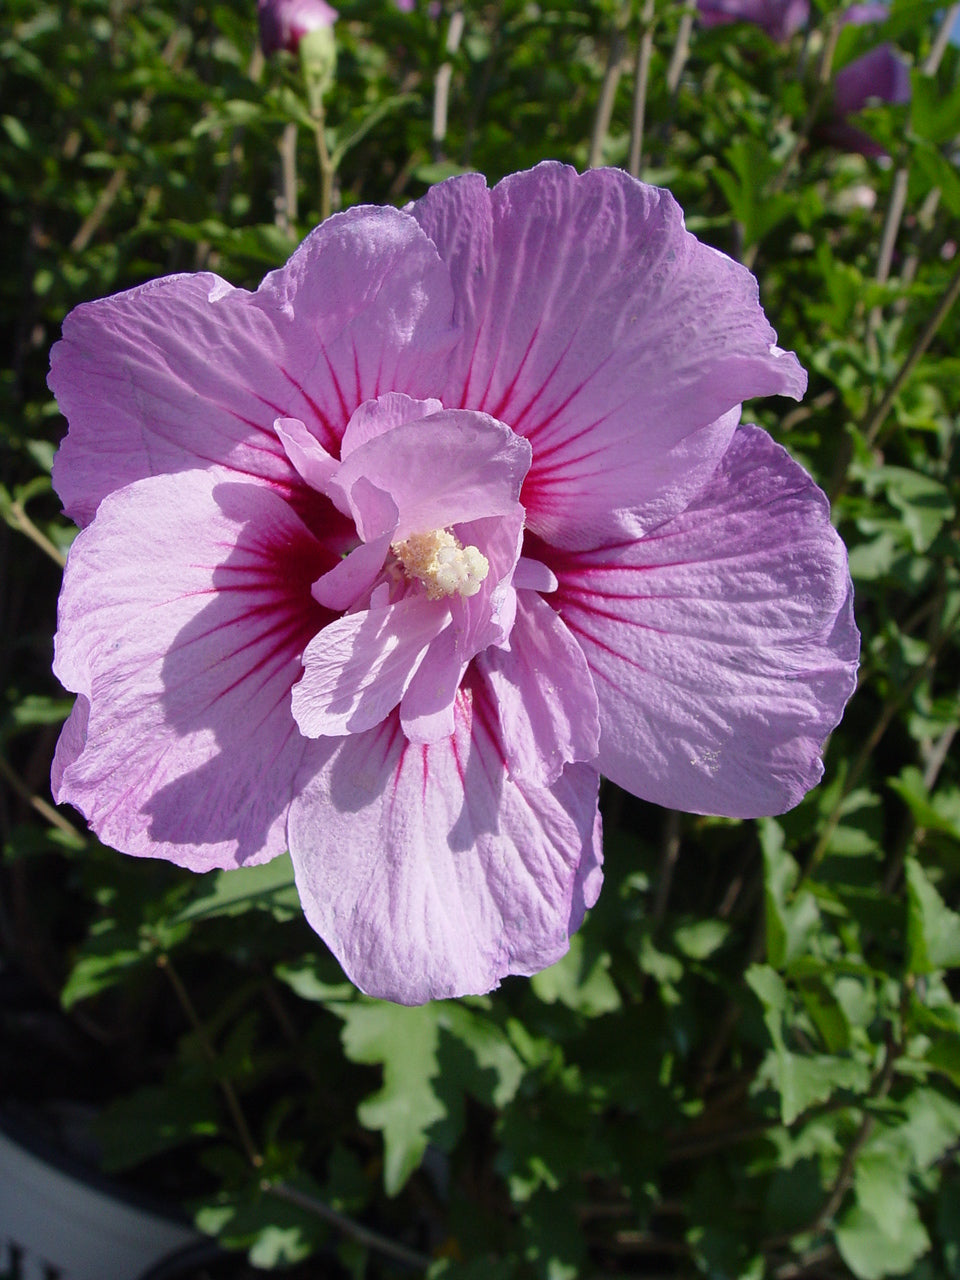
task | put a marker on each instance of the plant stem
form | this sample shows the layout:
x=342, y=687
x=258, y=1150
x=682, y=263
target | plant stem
x=608, y=90
x=668, y=861
x=288, y=169
x=874, y=422
x=939, y=47
x=173, y=55
x=681, y=51
x=644, y=54
x=925, y=218
x=209, y=1052
x=38, y=803
x=782, y=176
x=326, y=165
x=866, y=751
x=18, y=519
x=898, y=193
x=891, y=226
x=362, y=1235
x=441, y=86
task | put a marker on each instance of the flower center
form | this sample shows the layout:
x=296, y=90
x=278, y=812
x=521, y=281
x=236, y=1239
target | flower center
x=443, y=566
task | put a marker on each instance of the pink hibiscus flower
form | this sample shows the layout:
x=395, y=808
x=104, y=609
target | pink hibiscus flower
x=386, y=561
x=778, y=18
x=877, y=77
x=284, y=23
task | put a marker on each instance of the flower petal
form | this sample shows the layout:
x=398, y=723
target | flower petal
x=374, y=511
x=426, y=711
x=375, y=417
x=779, y=18
x=363, y=307
x=170, y=376
x=352, y=577
x=453, y=466
x=605, y=333
x=543, y=689
x=187, y=371
x=487, y=617
x=722, y=646
x=428, y=872
x=185, y=608
x=308, y=456
x=533, y=575
x=355, y=671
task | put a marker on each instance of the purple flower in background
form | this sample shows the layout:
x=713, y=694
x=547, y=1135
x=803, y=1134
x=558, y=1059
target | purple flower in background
x=862, y=15
x=879, y=76
x=778, y=18
x=386, y=561
x=284, y=23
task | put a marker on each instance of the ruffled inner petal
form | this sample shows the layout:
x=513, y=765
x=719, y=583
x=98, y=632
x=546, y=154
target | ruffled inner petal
x=487, y=617
x=426, y=712
x=350, y=580
x=375, y=417
x=308, y=456
x=356, y=670
x=543, y=689
x=451, y=467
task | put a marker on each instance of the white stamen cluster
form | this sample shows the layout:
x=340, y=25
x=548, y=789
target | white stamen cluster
x=443, y=566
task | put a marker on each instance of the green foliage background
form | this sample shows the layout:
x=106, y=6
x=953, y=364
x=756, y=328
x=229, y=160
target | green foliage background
x=749, y=1063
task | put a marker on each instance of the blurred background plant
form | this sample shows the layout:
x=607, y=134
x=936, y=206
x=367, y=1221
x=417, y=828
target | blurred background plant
x=749, y=1063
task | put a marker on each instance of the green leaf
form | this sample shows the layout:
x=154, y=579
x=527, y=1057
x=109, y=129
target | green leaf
x=770, y=989
x=236, y=112
x=939, y=173
x=492, y=1071
x=933, y=930
x=934, y=110
x=751, y=166
x=369, y=121
x=108, y=956
x=407, y=1107
x=931, y=1126
x=939, y=812
x=882, y=1183
x=154, y=1119
x=826, y=1012
x=791, y=922
x=32, y=710
x=580, y=980
x=944, y=1056
x=554, y=1239
x=268, y=887
x=431, y=1056
x=16, y=132
x=314, y=977
x=807, y=1080
x=871, y=1251
x=665, y=969
x=276, y=1232
x=875, y=558
x=801, y=1080
x=700, y=940
x=924, y=503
